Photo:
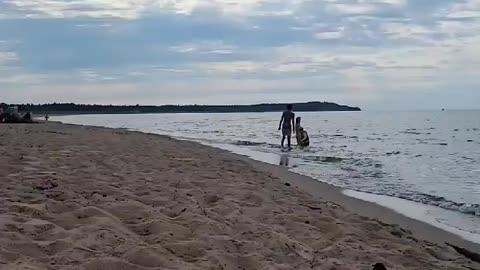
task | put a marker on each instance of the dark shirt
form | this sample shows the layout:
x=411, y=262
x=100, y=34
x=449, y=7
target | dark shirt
x=304, y=141
x=288, y=117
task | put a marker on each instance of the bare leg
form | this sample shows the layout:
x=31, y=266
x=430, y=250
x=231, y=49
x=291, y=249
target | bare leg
x=289, y=138
x=283, y=140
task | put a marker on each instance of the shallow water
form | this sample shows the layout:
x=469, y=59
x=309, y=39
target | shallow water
x=431, y=158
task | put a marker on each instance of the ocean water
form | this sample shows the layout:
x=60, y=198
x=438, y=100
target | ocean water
x=431, y=158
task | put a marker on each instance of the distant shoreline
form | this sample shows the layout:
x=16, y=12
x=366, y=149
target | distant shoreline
x=134, y=113
x=71, y=108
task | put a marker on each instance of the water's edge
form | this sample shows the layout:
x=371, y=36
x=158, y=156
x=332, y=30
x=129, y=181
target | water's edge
x=443, y=219
x=446, y=220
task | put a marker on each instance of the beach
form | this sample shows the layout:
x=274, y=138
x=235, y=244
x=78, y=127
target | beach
x=79, y=197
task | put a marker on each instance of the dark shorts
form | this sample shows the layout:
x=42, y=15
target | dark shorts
x=286, y=131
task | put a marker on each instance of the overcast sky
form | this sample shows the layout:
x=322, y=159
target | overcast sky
x=376, y=54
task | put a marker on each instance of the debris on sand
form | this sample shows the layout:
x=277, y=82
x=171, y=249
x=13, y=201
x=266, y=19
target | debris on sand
x=46, y=184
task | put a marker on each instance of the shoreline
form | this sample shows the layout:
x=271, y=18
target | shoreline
x=394, y=204
x=93, y=197
x=327, y=191
x=398, y=174
x=365, y=208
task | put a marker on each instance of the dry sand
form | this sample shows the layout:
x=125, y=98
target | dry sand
x=92, y=198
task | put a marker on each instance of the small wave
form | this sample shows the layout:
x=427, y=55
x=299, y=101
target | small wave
x=466, y=208
x=324, y=159
x=427, y=199
x=212, y=132
x=411, y=132
x=249, y=143
x=443, y=144
x=353, y=167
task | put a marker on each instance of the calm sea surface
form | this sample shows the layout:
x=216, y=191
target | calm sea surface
x=432, y=158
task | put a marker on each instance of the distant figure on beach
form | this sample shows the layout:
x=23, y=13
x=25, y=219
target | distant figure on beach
x=47, y=117
x=27, y=118
x=287, y=125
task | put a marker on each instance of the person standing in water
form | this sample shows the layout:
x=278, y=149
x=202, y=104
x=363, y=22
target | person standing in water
x=287, y=125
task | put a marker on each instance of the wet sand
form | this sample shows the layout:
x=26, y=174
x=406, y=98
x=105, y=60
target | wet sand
x=93, y=198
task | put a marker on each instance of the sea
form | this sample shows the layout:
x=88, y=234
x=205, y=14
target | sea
x=425, y=165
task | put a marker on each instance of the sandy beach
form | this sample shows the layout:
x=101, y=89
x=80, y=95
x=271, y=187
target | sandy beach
x=76, y=197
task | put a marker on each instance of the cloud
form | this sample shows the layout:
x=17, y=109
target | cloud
x=330, y=35
x=7, y=57
x=125, y=9
x=81, y=8
x=205, y=47
x=368, y=53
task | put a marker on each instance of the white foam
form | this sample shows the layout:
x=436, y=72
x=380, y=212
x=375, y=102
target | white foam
x=465, y=226
x=283, y=159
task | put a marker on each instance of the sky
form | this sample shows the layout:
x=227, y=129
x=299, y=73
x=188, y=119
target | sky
x=375, y=54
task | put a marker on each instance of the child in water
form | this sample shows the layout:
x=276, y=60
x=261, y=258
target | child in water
x=304, y=139
x=298, y=126
x=301, y=133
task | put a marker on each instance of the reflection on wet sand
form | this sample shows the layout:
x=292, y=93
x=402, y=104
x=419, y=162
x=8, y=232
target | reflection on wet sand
x=284, y=160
